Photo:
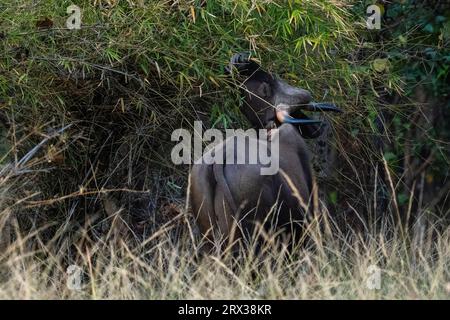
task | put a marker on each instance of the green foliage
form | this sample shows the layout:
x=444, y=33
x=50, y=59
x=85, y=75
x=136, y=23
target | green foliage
x=186, y=44
x=132, y=74
x=414, y=41
x=422, y=59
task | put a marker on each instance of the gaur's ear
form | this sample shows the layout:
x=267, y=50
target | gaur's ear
x=241, y=63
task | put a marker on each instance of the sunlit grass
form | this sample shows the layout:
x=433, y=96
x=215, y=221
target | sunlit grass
x=129, y=77
x=330, y=267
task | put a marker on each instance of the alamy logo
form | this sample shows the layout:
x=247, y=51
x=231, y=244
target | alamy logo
x=239, y=147
x=374, y=19
x=74, y=277
x=373, y=281
x=74, y=20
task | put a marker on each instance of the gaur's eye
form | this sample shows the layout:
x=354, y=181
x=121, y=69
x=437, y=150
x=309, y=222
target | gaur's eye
x=264, y=90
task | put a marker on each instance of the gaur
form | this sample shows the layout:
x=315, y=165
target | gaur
x=229, y=200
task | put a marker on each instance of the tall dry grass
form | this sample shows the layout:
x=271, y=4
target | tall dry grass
x=129, y=77
x=332, y=264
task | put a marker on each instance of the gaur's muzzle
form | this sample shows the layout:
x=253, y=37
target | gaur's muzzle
x=284, y=115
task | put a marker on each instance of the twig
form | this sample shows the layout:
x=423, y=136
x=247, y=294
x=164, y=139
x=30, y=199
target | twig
x=79, y=194
x=36, y=148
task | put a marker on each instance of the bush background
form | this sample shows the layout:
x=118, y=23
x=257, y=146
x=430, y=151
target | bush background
x=134, y=73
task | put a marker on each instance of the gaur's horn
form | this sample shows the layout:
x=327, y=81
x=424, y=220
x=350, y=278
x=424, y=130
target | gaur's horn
x=241, y=62
x=284, y=117
x=321, y=106
x=301, y=121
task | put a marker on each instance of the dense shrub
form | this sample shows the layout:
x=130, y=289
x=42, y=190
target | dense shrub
x=132, y=73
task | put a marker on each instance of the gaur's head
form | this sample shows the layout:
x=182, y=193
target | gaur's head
x=269, y=99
